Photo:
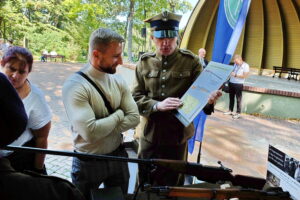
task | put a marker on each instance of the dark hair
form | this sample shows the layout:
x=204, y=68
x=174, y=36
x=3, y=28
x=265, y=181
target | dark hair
x=18, y=54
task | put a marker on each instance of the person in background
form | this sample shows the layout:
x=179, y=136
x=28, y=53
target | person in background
x=3, y=47
x=17, y=64
x=100, y=107
x=44, y=56
x=53, y=53
x=161, y=79
x=16, y=185
x=297, y=173
x=201, y=54
x=10, y=43
x=292, y=167
x=236, y=84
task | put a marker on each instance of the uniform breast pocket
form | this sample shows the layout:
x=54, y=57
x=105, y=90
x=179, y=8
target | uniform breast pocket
x=151, y=78
x=182, y=74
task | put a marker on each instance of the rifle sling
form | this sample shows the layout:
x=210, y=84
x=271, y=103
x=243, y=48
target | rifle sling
x=106, y=102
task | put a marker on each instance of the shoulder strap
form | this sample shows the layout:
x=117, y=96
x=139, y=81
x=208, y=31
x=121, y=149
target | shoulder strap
x=106, y=102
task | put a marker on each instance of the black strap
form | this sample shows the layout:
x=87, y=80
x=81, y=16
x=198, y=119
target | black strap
x=106, y=102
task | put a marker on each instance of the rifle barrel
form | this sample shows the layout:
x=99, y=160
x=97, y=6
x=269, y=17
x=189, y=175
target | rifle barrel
x=206, y=173
x=75, y=154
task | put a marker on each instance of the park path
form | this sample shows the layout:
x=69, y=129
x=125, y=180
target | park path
x=240, y=144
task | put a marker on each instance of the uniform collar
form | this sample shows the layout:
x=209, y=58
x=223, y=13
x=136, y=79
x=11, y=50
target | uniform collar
x=170, y=57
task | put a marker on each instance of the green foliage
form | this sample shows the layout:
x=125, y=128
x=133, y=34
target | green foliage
x=65, y=25
x=51, y=39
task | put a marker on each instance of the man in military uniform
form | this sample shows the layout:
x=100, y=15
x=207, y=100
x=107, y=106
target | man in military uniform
x=161, y=80
x=30, y=185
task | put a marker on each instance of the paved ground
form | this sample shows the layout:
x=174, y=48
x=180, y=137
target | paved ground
x=273, y=83
x=240, y=144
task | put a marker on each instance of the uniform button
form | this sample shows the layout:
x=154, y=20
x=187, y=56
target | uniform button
x=162, y=94
x=163, y=86
x=164, y=70
x=163, y=78
x=165, y=63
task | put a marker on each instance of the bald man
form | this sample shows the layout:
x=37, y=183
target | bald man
x=201, y=54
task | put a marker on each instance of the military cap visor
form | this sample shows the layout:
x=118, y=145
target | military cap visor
x=165, y=34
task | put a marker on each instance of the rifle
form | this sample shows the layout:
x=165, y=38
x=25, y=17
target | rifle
x=220, y=194
x=210, y=174
x=205, y=173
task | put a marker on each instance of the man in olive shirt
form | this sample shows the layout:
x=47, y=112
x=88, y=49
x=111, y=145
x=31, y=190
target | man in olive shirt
x=161, y=79
x=97, y=129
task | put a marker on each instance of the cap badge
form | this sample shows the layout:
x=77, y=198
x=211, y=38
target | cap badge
x=165, y=15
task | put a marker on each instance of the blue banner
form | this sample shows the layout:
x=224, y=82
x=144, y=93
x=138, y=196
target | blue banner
x=231, y=19
x=199, y=122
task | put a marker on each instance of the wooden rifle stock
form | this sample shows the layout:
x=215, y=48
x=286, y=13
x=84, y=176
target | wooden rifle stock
x=219, y=194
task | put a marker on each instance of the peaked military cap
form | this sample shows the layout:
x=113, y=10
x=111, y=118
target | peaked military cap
x=164, y=25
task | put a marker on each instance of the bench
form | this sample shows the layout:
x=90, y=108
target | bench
x=294, y=73
x=279, y=71
x=46, y=56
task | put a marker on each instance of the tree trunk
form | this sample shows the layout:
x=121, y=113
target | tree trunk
x=1, y=32
x=25, y=42
x=129, y=30
x=4, y=29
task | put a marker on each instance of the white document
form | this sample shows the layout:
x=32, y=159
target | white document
x=210, y=79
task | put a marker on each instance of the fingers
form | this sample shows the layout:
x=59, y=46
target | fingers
x=219, y=93
x=173, y=99
x=170, y=103
x=214, y=96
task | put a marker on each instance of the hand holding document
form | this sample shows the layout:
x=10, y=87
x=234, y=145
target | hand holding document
x=197, y=96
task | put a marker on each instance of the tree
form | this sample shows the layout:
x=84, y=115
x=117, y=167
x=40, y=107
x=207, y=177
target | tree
x=129, y=29
x=65, y=25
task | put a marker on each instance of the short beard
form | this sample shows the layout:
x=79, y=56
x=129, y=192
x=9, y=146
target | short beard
x=109, y=70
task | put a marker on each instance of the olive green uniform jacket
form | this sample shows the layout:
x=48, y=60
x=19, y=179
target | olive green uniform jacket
x=157, y=78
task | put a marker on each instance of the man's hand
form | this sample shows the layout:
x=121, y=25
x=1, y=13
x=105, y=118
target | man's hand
x=214, y=96
x=169, y=103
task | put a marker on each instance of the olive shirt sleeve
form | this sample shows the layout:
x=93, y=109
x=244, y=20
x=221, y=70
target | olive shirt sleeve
x=13, y=118
x=139, y=93
x=81, y=114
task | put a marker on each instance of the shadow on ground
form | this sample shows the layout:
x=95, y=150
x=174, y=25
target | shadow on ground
x=240, y=144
